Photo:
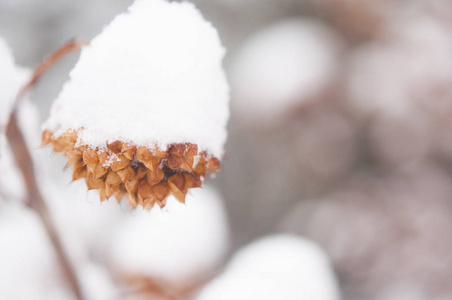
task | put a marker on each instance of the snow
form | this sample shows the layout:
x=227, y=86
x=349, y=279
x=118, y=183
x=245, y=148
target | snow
x=28, y=269
x=11, y=80
x=84, y=223
x=276, y=267
x=97, y=283
x=176, y=244
x=153, y=76
x=283, y=64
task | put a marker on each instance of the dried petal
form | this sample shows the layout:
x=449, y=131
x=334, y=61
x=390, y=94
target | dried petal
x=149, y=204
x=104, y=158
x=174, y=161
x=159, y=153
x=62, y=144
x=177, y=186
x=192, y=180
x=200, y=168
x=126, y=174
x=132, y=201
x=128, y=150
x=131, y=186
x=144, y=190
x=119, y=163
x=74, y=157
x=47, y=137
x=120, y=193
x=214, y=164
x=80, y=171
x=144, y=154
x=110, y=190
x=90, y=156
x=103, y=195
x=187, y=163
x=141, y=171
x=155, y=177
x=161, y=191
x=94, y=183
x=178, y=149
x=96, y=170
x=113, y=179
x=191, y=150
x=115, y=146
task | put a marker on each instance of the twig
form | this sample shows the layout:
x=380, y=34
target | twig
x=25, y=164
x=70, y=46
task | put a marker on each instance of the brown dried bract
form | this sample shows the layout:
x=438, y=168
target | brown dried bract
x=145, y=176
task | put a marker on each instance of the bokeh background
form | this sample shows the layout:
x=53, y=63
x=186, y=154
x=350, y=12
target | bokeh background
x=340, y=130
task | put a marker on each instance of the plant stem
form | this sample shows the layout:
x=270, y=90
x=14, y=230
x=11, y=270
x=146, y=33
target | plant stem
x=36, y=202
x=25, y=163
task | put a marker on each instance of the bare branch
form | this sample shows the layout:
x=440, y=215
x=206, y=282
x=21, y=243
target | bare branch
x=25, y=164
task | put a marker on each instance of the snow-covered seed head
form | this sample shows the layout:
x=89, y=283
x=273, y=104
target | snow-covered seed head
x=144, y=112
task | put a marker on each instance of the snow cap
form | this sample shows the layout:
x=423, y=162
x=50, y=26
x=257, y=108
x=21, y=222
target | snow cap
x=153, y=76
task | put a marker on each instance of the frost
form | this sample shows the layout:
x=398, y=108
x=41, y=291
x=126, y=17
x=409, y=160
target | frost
x=276, y=267
x=153, y=76
x=283, y=64
x=28, y=269
x=176, y=244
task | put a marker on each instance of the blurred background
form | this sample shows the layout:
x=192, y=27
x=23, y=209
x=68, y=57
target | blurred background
x=340, y=129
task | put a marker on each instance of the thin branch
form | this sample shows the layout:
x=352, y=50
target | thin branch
x=36, y=202
x=25, y=164
x=70, y=46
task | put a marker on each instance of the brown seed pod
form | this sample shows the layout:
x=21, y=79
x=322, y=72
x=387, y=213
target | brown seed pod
x=143, y=175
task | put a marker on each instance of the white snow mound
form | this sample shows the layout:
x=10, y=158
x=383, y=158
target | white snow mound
x=282, y=65
x=153, y=76
x=177, y=244
x=276, y=267
x=28, y=263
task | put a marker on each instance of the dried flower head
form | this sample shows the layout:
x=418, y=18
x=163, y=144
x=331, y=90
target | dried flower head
x=145, y=110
